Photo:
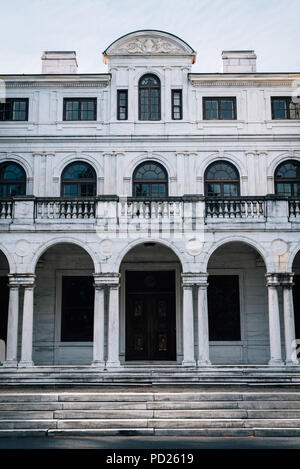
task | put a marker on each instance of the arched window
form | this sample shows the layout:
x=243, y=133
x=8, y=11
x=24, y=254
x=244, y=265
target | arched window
x=222, y=180
x=12, y=180
x=287, y=179
x=149, y=98
x=150, y=179
x=78, y=180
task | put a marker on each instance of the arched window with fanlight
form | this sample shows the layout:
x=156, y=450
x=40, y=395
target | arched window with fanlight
x=78, y=180
x=12, y=180
x=149, y=98
x=222, y=180
x=150, y=179
x=287, y=179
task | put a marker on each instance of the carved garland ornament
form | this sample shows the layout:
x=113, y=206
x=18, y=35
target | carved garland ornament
x=149, y=46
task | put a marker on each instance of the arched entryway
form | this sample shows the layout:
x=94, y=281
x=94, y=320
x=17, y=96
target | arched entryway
x=238, y=306
x=150, y=320
x=63, y=306
x=296, y=293
x=4, y=295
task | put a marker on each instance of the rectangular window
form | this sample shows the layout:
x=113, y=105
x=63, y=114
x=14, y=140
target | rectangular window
x=176, y=104
x=219, y=108
x=285, y=108
x=122, y=105
x=80, y=109
x=224, y=308
x=77, y=309
x=14, y=109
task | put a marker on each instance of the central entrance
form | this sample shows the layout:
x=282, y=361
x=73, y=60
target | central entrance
x=150, y=315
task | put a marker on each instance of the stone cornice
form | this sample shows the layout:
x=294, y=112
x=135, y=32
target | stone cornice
x=250, y=83
x=57, y=84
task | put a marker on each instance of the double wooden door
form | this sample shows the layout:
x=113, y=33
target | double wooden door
x=150, y=316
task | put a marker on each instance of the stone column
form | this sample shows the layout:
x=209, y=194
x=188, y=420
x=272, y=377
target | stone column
x=274, y=320
x=98, y=345
x=113, y=359
x=203, y=335
x=188, y=321
x=27, y=326
x=12, y=323
x=289, y=319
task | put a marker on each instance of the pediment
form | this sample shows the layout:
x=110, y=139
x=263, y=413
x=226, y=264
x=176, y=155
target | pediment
x=149, y=43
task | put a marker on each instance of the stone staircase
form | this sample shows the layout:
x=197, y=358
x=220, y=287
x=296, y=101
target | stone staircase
x=154, y=412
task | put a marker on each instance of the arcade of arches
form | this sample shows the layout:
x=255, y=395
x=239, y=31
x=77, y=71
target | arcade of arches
x=150, y=311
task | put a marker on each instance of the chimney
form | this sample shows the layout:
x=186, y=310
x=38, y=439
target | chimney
x=238, y=61
x=59, y=62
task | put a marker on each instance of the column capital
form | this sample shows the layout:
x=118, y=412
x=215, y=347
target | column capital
x=21, y=280
x=272, y=279
x=277, y=279
x=108, y=279
x=191, y=279
x=286, y=279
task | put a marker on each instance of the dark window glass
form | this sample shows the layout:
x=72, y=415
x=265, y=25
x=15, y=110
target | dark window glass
x=150, y=179
x=149, y=98
x=219, y=108
x=287, y=179
x=14, y=109
x=224, y=308
x=176, y=104
x=222, y=180
x=285, y=108
x=77, y=309
x=4, y=294
x=80, y=109
x=12, y=180
x=122, y=111
x=78, y=180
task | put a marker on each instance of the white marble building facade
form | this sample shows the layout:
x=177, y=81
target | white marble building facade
x=184, y=124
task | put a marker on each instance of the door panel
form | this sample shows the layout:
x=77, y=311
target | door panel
x=4, y=295
x=296, y=292
x=150, y=316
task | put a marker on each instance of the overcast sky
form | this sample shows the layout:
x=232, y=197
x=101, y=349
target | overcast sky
x=28, y=27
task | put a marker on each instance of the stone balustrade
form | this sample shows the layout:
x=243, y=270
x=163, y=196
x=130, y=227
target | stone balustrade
x=65, y=209
x=294, y=209
x=237, y=207
x=6, y=207
x=174, y=210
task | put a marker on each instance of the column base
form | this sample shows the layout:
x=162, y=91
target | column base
x=276, y=363
x=113, y=364
x=207, y=363
x=188, y=363
x=98, y=364
x=24, y=364
x=292, y=363
x=10, y=364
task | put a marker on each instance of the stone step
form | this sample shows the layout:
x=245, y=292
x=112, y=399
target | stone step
x=137, y=397
x=106, y=397
x=197, y=405
x=169, y=414
x=160, y=405
x=26, y=415
x=26, y=397
x=268, y=405
x=27, y=424
x=204, y=432
x=190, y=424
x=149, y=423
x=37, y=406
x=103, y=414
